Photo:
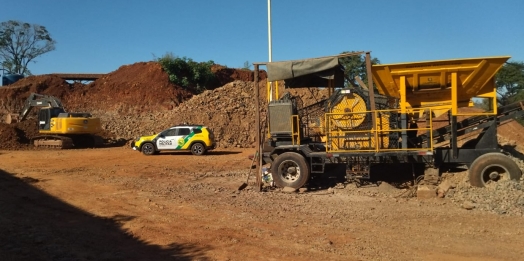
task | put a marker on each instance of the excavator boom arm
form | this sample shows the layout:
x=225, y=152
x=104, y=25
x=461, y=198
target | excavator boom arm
x=38, y=100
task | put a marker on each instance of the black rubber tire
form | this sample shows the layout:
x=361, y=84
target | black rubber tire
x=198, y=149
x=148, y=149
x=496, y=165
x=281, y=168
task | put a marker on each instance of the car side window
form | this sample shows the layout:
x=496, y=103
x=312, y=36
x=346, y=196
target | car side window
x=171, y=132
x=183, y=131
x=197, y=131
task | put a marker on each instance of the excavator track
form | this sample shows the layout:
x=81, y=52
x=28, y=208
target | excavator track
x=52, y=142
x=67, y=142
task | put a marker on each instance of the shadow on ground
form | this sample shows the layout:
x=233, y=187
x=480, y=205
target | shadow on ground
x=38, y=226
x=512, y=149
x=395, y=174
x=110, y=143
x=213, y=152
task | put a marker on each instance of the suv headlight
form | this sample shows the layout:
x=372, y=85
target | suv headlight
x=137, y=139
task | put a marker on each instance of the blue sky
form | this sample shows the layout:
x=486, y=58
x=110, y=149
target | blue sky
x=99, y=36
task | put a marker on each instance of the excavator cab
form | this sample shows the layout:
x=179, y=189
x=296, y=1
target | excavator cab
x=45, y=115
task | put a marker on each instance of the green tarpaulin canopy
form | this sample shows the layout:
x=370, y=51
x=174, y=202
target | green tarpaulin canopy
x=308, y=72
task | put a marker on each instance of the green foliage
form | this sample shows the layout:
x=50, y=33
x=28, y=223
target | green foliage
x=187, y=73
x=510, y=82
x=21, y=43
x=355, y=66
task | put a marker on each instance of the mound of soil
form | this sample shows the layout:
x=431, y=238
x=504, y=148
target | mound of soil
x=12, y=97
x=41, y=84
x=8, y=137
x=17, y=136
x=141, y=86
x=226, y=75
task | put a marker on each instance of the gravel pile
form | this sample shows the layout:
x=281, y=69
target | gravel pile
x=503, y=197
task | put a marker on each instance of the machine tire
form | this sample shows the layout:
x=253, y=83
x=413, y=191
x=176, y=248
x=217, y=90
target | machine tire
x=148, y=149
x=283, y=166
x=198, y=149
x=493, y=167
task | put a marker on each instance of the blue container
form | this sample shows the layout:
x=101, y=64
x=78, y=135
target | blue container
x=11, y=78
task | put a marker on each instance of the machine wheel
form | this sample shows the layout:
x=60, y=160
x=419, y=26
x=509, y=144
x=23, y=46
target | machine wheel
x=290, y=170
x=493, y=167
x=148, y=149
x=198, y=149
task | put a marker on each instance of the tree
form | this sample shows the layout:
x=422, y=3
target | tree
x=21, y=43
x=354, y=66
x=510, y=82
x=187, y=73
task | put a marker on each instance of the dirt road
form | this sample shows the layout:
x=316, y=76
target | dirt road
x=117, y=204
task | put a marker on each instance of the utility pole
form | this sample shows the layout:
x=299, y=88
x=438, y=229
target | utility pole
x=269, y=42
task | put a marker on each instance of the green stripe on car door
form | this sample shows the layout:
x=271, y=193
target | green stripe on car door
x=186, y=138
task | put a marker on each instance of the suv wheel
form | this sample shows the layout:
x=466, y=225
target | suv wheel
x=148, y=149
x=198, y=149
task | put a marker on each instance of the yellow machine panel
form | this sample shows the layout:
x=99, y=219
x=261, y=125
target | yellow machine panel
x=76, y=125
x=349, y=103
x=440, y=85
x=348, y=124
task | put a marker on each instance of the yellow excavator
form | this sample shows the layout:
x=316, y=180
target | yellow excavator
x=58, y=128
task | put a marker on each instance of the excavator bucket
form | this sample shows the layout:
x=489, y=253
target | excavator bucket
x=12, y=118
x=439, y=85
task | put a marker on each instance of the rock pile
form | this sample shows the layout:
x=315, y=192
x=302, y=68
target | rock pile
x=505, y=197
x=229, y=111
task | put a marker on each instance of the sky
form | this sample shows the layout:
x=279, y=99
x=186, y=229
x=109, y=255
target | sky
x=99, y=36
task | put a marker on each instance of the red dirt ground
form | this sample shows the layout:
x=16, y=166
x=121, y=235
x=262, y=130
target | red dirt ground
x=117, y=204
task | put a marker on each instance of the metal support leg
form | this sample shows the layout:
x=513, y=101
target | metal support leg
x=454, y=148
x=404, y=126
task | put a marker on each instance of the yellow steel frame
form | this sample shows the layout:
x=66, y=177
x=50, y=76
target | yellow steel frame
x=295, y=131
x=443, y=85
x=268, y=89
x=455, y=103
x=376, y=132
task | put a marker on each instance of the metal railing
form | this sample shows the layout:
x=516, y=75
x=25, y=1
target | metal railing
x=355, y=132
